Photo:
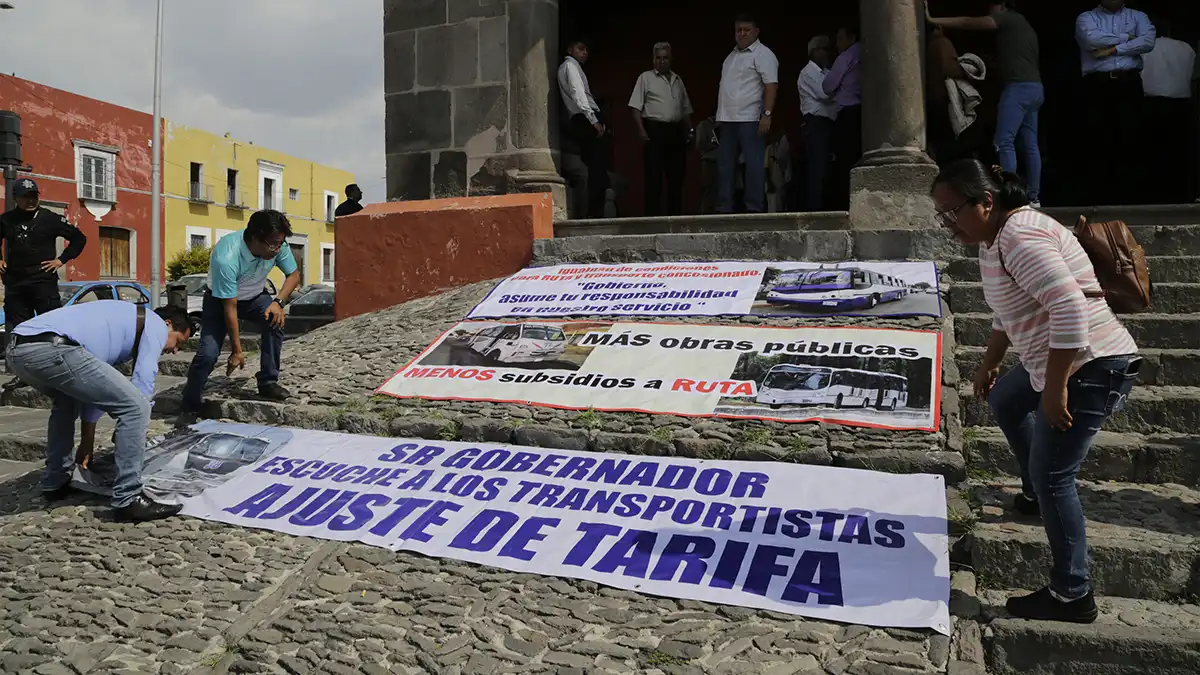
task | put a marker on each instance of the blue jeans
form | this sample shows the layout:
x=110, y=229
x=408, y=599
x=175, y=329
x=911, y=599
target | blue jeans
x=741, y=138
x=212, y=334
x=73, y=378
x=1017, y=120
x=1050, y=459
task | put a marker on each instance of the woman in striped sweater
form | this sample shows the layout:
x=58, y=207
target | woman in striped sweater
x=1077, y=363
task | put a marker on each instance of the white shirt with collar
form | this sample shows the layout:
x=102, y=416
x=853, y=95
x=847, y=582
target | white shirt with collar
x=813, y=99
x=576, y=93
x=1167, y=70
x=744, y=77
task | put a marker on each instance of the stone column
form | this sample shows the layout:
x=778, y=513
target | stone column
x=890, y=186
x=467, y=85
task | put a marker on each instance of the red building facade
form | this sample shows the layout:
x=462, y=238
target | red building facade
x=92, y=163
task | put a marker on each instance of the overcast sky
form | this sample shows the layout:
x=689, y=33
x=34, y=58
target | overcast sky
x=304, y=77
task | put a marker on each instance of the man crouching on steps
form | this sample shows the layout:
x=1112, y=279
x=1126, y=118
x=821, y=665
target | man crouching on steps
x=68, y=354
x=237, y=270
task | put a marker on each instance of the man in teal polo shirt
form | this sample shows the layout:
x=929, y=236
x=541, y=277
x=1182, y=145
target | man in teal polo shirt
x=237, y=271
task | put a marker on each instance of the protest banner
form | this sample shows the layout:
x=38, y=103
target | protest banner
x=836, y=544
x=869, y=377
x=718, y=288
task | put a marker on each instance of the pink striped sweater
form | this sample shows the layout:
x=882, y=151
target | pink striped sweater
x=1042, y=306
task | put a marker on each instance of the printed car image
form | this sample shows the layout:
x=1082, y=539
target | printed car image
x=518, y=343
x=836, y=289
x=188, y=463
x=788, y=384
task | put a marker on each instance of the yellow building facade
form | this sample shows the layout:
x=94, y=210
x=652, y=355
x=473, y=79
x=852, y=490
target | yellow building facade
x=211, y=185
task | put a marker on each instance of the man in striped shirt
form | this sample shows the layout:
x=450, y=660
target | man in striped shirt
x=1077, y=363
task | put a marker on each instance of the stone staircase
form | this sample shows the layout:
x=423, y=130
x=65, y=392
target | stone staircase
x=1141, y=482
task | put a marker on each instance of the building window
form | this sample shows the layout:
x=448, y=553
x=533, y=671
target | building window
x=196, y=241
x=293, y=194
x=327, y=263
x=268, y=197
x=115, y=248
x=97, y=181
x=198, y=237
x=330, y=206
x=232, y=197
x=197, y=192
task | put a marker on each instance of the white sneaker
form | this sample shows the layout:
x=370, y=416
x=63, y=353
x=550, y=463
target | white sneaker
x=1036, y=205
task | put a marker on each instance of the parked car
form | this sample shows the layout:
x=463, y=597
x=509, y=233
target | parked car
x=197, y=285
x=76, y=292
x=311, y=310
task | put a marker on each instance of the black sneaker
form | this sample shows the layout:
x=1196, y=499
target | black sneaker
x=1042, y=606
x=272, y=391
x=1026, y=506
x=59, y=494
x=143, y=509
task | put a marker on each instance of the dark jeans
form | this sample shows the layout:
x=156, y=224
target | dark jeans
x=212, y=334
x=664, y=155
x=741, y=138
x=1050, y=459
x=23, y=301
x=1115, y=129
x=847, y=150
x=818, y=153
x=1017, y=124
x=1171, y=143
x=593, y=151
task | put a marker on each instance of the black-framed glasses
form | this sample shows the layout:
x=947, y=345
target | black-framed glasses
x=950, y=216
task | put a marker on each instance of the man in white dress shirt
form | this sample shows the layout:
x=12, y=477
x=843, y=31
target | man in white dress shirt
x=584, y=124
x=663, y=115
x=820, y=111
x=749, y=85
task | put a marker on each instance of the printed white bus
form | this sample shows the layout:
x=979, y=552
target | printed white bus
x=520, y=342
x=788, y=384
x=835, y=289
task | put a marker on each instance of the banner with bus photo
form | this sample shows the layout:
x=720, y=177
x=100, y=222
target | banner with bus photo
x=785, y=289
x=869, y=377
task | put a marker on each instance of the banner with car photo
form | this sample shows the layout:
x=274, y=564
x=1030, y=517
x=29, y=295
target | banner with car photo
x=870, y=377
x=717, y=288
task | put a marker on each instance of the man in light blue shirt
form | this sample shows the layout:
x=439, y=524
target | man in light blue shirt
x=68, y=354
x=237, y=271
x=1113, y=38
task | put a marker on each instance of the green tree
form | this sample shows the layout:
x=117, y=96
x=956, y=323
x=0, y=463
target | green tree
x=191, y=261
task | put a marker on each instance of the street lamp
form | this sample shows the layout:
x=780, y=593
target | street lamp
x=156, y=172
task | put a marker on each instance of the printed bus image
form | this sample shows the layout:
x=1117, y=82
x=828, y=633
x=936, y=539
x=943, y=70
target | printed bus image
x=789, y=384
x=520, y=343
x=836, y=289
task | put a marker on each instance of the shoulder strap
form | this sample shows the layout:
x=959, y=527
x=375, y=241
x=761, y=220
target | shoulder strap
x=999, y=251
x=137, y=336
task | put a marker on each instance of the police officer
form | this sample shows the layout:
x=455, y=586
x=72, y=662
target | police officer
x=30, y=267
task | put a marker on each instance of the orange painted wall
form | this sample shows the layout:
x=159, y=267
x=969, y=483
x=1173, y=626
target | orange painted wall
x=393, y=252
x=50, y=120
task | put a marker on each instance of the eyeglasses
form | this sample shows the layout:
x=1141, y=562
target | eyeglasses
x=274, y=247
x=950, y=216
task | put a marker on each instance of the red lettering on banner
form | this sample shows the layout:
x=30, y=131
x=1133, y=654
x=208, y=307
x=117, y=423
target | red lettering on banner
x=723, y=387
x=451, y=373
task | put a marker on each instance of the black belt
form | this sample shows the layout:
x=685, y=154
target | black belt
x=1115, y=74
x=44, y=338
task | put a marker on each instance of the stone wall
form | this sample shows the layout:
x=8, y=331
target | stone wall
x=468, y=87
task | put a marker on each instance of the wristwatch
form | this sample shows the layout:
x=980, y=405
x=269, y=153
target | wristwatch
x=766, y=113
x=279, y=302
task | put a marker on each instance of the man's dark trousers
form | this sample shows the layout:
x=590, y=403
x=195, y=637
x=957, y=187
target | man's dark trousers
x=23, y=300
x=594, y=153
x=212, y=335
x=665, y=155
x=1116, y=153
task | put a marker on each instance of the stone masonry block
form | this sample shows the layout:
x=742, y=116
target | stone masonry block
x=461, y=10
x=493, y=49
x=448, y=56
x=533, y=57
x=417, y=121
x=450, y=174
x=481, y=119
x=399, y=61
x=406, y=14
x=408, y=176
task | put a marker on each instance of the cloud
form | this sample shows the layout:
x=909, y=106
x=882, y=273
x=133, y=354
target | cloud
x=304, y=77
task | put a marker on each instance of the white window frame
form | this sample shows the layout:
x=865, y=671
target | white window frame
x=193, y=231
x=133, y=249
x=332, y=263
x=218, y=233
x=106, y=153
x=274, y=172
x=329, y=213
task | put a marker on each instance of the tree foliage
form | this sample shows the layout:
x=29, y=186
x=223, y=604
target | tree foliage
x=191, y=261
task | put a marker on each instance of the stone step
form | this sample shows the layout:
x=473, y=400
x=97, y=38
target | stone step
x=1114, y=456
x=1151, y=331
x=1148, y=410
x=1160, y=367
x=1163, y=269
x=1130, y=637
x=1169, y=298
x=28, y=397
x=1142, y=539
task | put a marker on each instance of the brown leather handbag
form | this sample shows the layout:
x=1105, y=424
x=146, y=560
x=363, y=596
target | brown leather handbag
x=1119, y=262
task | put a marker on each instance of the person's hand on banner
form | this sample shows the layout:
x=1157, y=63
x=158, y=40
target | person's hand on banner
x=87, y=444
x=1054, y=407
x=984, y=379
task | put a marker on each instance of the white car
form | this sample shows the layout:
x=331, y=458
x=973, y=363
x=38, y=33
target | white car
x=520, y=342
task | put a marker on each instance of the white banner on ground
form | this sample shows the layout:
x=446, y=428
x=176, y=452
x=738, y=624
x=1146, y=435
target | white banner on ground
x=869, y=377
x=718, y=288
x=836, y=544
